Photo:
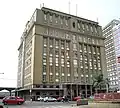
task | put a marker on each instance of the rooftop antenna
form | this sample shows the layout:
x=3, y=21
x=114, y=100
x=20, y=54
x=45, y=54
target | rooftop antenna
x=76, y=9
x=69, y=7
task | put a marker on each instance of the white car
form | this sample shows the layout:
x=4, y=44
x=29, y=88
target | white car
x=40, y=99
x=50, y=99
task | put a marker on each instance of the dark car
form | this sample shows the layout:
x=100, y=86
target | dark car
x=13, y=100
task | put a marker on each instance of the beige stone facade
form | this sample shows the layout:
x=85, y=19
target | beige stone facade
x=59, y=54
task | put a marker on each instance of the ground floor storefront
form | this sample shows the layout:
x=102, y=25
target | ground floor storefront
x=70, y=90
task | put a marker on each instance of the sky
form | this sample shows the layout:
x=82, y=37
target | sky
x=15, y=13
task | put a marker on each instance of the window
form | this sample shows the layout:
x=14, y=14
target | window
x=91, y=28
x=57, y=80
x=80, y=47
x=75, y=46
x=57, y=43
x=67, y=45
x=66, y=22
x=44, y=68
x=62, y=44
x=56, y=70
x=56, y=19
x=87, y=27
x=56, y=60
x=50, y=18
x=50, y=59
x=62, y=54
x=74, y=38
x=45, y=41
x=62, y=61
x=75, y=62
x=61, y=21
x=85, y=48
x=83, y=26
x=45, y=17
x=75, y=54
x=95, y=29
x=56, y=53
x=73, y=24
x=89, y=49
x=51, y=42
x=78, y=25
x=67, y=36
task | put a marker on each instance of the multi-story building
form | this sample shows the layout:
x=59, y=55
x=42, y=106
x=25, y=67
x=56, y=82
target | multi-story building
x=111, y=53
x=59, y=54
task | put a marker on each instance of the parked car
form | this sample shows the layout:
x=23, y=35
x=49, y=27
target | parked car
x=59, y=99
x=76, y=98
x=13, y=100
x=40, y=99
x=50, y=99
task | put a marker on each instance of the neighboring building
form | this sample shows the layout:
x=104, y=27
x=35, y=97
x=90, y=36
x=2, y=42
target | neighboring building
x=59, y=54
x=116, y=34
x=111, y=53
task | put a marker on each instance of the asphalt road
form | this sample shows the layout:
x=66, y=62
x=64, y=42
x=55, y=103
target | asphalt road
x=43, y=105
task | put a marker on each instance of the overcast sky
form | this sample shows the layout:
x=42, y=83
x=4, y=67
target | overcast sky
x=15, y=13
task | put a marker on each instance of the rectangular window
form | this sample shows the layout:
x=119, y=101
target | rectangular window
x=45, y=50
x=66, y=22
x=50, y=18
x=50, y=59
x=45, y=17
x=62, y=54
x=44, y=68
x=45, y=41
x=89, y=49
x=80, y=47
x=57, y=43
x=56, y=53
x=75, y=46
x=51, y=42
x=85, y=48
x=74, y=38
x=62, y=44
x=75, y=62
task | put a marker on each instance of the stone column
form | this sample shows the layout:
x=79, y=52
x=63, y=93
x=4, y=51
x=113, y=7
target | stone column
x=86, y=91
x=71, y=91
x=91, y=90
x=77, y=89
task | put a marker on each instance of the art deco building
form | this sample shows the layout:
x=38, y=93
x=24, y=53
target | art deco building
x=112, y=36
x=58, y=55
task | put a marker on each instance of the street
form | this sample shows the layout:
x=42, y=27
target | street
x=43, y=105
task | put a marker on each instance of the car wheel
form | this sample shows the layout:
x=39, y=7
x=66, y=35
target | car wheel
x=19, y=103
x=5, y=103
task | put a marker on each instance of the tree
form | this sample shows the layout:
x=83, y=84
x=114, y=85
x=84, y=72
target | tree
x=107, y=82
x=99, y=81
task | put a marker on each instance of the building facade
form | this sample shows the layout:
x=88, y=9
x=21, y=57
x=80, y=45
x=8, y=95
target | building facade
x=116, y=34
x=59, y=54
x=109, y=32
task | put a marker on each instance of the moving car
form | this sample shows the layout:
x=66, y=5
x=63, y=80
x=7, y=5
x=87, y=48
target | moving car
x=13, y=100
x=40, y=99
x=76, y=98
x=50, y=99
x=59, y=99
